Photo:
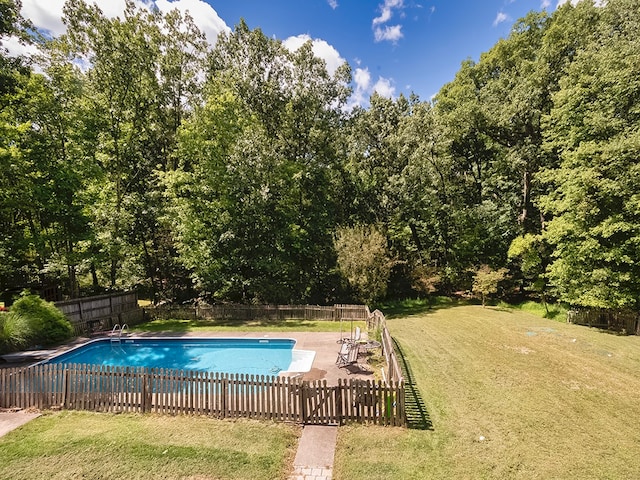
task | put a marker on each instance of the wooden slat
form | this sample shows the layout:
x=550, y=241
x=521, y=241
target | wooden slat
x=125, y=389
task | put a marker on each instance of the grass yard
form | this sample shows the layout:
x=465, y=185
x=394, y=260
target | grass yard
x=74, y=445
x=506, y=394
x=231, y=326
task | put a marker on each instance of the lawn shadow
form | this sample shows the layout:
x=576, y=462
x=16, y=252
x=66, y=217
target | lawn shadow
x=415, y=409
x=406, y=308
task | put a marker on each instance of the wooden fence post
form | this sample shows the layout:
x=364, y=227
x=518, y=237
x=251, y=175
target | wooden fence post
x=303, y=400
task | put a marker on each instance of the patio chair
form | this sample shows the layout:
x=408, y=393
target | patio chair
x=357, y=335
x=348, y=355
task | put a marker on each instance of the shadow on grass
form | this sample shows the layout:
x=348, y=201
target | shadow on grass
x=415, y=409
x=405, y=308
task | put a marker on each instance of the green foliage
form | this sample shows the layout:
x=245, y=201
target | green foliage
x=595, y=229
x=255, y=197
x=486, y=280
x=33, y=321
x=364, y=260
x=555, y=311
x=181, y=169
x=15, y=332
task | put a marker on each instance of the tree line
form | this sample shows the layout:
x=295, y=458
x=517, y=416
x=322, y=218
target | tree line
x=135, y=155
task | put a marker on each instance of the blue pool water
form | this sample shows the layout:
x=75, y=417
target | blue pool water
x=225, y=355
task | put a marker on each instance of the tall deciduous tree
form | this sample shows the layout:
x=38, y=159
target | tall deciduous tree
x=595, y=230
x=141, y=72
x=259, y=180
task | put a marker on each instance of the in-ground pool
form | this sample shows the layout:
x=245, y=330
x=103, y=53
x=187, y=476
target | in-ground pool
x=252, y=356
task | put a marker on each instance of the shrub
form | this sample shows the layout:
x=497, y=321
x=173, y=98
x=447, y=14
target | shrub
x=40, y=322
x=15, y=332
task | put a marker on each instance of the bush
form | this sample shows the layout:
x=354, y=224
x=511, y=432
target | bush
x=15, y=332
x=33, y=321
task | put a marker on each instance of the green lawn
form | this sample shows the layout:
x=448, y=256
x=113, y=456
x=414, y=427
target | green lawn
x=74, y=445
x=196, y=326
x=505, y=394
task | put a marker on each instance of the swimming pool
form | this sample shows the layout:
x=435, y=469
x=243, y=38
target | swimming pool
x=251, y=356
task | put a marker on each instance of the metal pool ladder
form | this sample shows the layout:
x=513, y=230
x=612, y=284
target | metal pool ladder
x=119, y=330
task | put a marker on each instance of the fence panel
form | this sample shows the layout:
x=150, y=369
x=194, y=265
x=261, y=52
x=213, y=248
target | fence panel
x=126, y=389
x=262, y=312
x=377, y=321
x=619, y=321
x=101, y=312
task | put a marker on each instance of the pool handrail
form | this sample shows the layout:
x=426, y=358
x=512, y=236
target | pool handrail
x=120, y=330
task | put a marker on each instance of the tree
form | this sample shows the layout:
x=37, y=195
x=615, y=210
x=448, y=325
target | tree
x=531, y=253
x=595, y=229
x=142, y=74
x=486, y=281
x=258, y=180
x=364, y=261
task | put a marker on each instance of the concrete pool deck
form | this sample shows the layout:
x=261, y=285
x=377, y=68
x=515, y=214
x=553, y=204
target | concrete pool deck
x=325, y=345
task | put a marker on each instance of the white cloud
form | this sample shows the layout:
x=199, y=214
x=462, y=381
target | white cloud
x=384, y=17
x=363, y=88
x=46, y=15
x=333, y=3
x=362, y=79
x=385, y=32
x=386, y=11
x=391, y=33
x=501, y=17
x=205, y=17
x=384, y=87
x=15, y=48
x=545, y=4
x=320, y=48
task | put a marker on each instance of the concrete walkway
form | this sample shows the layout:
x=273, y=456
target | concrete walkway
x=315, y=454
x=12, y=420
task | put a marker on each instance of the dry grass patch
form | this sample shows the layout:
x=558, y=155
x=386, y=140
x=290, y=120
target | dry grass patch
x=509, y=395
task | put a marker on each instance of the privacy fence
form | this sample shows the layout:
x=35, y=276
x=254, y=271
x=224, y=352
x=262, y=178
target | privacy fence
x=101, y=313
x=118, y=389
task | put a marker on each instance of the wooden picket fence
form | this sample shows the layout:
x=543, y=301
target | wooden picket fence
x=377, y=321
x=127, y=389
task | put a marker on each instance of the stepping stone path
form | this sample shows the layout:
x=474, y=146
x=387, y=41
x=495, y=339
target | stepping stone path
x=315, y=454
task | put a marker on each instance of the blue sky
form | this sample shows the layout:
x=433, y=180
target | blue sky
x=425, y=41
x=393, y=46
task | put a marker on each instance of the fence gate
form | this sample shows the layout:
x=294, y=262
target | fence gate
x=318, y=404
